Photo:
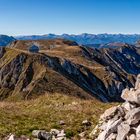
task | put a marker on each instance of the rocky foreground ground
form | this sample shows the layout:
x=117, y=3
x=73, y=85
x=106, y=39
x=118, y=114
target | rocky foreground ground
x=122, y=122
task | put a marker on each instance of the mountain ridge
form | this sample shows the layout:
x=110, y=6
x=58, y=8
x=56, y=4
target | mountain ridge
x=74, y=70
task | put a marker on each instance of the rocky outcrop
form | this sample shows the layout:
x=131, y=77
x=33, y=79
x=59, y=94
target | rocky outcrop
x=122, y=122
x=54, y=134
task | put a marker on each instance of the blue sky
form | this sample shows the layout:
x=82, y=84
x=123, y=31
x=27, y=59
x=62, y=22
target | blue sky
x=26, y=17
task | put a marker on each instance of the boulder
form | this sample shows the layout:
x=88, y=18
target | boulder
x=86, y=123
x=131, y=96
x=132, y=137
x=42, y=135
x=111, y=127
x=138, y=132
x=109, y=113
x=121, y=111
x=137, y=84
x=82, y=135
x=12, y=137
x=127, y=106
x=54, y=132
x=62, y=122
x=122, y=131
x=61, y=135
x=35, y=133
x=102, y=135
x=45, y=136
x=113, y=124
x=103, y=126
x=133, y=116
x=112, y=136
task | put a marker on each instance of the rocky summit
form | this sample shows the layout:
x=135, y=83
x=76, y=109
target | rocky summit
x=64, y=67
x=121, y=122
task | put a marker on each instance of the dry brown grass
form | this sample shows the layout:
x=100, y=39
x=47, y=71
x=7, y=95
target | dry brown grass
x=46, y=112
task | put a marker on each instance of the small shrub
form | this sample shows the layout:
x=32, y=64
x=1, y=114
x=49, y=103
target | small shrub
x=69, y=133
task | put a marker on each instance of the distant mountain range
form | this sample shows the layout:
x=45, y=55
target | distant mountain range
x=87, y=39
x=91, y=40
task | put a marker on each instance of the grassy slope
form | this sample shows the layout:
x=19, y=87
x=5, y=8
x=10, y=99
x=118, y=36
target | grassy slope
x=46, y=112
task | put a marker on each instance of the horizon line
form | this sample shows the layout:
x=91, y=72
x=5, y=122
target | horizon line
x=71, y=34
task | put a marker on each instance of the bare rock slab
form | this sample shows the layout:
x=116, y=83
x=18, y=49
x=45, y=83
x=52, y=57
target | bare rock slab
x=123, y=130
x=133, y=116
x=109, y=113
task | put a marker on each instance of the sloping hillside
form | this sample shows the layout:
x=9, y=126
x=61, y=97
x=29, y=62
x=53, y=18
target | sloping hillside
x=64, y=67
x=24, y=76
